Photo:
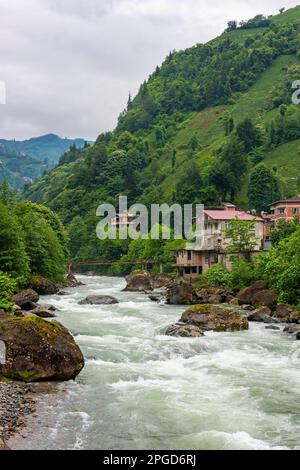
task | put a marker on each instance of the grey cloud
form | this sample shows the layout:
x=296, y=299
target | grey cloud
x=69, y=64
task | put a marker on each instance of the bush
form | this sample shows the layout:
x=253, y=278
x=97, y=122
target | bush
x=7, y=288
x=242, y=274
x=218, y=276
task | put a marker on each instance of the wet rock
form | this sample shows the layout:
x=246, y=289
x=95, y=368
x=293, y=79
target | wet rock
x=26, y=299
x=234, y=301
x=181, y=293
x=42, y=312
x=62, y=293
x=156, y=297
x=215, y=299
x=273, y=327
x=245, y=296
x=162, y=280
x=185, y=331
x=298, y=336
x=292, y=329
x=286, y=314
x=265, y=298
x=215, y=318
x=72, y=281
x=38, y=350
x=43, y=286
x=262, y=314
x=139, y=281
x=99, y=300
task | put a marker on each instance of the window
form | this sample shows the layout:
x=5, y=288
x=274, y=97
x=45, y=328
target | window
x=216, y=226
x=227, y=225
x=207, y=259
x=295, y=210
x=281, y=211
x=194, y=270
x=189, y=256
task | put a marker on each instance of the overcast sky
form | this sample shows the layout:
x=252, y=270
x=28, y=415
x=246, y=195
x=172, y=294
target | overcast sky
x=68, y=65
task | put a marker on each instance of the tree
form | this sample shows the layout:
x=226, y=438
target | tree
x=281, y=10
x=13, y=256
x=283, y=230
x=174, y=154
x=189, y=187
x=263, y=188
x=241, y=238
x=228, y=123
x=232, y=25
x=249, y=134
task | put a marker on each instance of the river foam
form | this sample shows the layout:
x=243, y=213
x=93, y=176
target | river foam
x=142, y=389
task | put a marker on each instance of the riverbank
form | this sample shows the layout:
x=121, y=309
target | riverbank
x=17, y=402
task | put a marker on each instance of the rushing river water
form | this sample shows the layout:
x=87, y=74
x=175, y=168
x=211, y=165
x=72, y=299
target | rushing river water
x=143, y=390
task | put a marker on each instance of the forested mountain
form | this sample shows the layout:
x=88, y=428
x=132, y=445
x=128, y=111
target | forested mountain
x=22, y=162
x=213, y=122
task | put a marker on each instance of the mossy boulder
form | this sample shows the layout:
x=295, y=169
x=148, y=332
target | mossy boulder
x=38, y=350
x=215, y=318
x=139, y=281
x=263, y=315
x=163, y=280
x=43, y=286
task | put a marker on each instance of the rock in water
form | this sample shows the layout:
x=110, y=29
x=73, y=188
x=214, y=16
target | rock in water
x=162, y=280
x=99, y=300
x=139, y=281
x=43, y=286
x=38, y=350
x=42, y=312
x=181, y=293
x=26, y=299
x=185, y=331
x=215, y=318
x=262, y=314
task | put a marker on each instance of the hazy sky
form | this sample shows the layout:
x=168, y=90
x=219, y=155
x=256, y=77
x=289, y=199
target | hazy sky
x=69, y=64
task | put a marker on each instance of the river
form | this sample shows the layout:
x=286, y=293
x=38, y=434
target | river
x=143, y=390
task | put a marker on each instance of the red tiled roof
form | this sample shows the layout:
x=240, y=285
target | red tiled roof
x=230, y=215
x=286, y=201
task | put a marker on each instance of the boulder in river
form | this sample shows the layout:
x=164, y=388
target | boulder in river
x=181, y=293
x=245, y=296
x=263, y=315
x=215, y=318
x=139, y=281
x=162, y=280
x=99, y=300
x=38, y=350
x=72, y=281
x=43, y=286
x=42, y=312
x=185, y=331
x=26, y=299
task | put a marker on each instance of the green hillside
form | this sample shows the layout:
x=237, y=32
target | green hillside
x=199, y=130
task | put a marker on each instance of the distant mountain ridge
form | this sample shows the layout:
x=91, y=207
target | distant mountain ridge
x=24, y=161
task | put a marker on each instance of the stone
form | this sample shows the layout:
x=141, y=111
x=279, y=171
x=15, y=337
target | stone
x=234, y=301
x=181, y=293
x=42, y=312
x=156, y=297
x=99, y=300
x=215, y=299
x=273, y=327
x=72, y=281
x=185, y=331
x=38, y=350
x=139, y=281
x=262, y=314
x=215, y=318
x=162, y=280
x=245, y=296
x=265, y=298
x=292, y=329
x=26, y=299
x=43, y=286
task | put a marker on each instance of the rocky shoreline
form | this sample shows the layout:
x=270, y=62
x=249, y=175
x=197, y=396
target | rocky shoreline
x=17, y=402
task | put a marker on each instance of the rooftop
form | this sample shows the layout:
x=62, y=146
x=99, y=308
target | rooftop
x=291, y=200
x=230, y=215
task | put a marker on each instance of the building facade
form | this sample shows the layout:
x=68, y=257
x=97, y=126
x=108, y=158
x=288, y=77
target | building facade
x=195, y=260
x=287, y=209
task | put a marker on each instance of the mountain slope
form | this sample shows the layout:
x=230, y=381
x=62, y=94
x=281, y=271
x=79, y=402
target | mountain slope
x=197, y=129
x=23, y=162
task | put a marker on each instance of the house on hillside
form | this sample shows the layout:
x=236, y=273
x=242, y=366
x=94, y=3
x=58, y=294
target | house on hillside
x=195, y=260
x=286, y=209
x=122, y=220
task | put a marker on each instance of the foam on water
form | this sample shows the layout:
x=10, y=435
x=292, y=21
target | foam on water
x=141, y=389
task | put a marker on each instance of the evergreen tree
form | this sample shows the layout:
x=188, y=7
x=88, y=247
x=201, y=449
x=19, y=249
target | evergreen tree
x=263, y=188
x=249, y=134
